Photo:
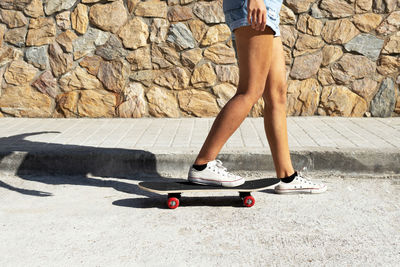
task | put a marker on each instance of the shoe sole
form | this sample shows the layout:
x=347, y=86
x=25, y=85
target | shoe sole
x=217, y=183
x=301, y=191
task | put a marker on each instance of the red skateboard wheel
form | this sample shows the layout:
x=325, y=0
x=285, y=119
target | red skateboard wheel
x=173, y=202
x=249, y=201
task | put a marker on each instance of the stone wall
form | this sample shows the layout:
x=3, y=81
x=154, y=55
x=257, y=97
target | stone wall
x=131, y=58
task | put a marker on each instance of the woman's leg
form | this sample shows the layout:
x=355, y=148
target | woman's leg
x=254, y=49
x=275, y=112
x=276, y=128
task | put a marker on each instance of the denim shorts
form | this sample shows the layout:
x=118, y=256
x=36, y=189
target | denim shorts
x=235, y=12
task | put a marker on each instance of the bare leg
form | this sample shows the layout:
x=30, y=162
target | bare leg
x=275, y=112
x=254, y=50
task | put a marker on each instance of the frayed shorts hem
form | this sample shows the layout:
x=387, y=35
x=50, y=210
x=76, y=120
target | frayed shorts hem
x=243, y=22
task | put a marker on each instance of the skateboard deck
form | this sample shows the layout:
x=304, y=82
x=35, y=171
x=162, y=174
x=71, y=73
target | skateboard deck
x=175, y=189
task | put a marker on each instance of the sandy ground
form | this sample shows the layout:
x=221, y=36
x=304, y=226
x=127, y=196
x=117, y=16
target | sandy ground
x=80, y=221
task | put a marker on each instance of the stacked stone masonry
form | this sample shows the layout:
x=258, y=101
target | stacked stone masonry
x=131, y=58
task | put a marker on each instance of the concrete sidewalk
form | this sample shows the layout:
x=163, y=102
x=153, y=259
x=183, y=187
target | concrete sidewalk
x=122, y=147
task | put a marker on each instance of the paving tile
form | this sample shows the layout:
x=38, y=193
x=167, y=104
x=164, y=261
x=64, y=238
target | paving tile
x=168, y=133
x=117, y=133
x=182, y=137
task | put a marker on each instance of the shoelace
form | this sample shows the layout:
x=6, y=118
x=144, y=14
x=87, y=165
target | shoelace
x=219, y=165
x=303, y=175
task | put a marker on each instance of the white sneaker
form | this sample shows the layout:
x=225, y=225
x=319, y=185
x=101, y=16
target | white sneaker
x=300, y=184
x=214, y=174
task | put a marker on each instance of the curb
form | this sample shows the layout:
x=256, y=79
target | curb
x=114, y=162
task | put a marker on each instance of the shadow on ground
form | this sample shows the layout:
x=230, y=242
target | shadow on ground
x=57, y=164
x=160, y=202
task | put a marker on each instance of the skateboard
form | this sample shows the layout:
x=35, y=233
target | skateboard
x=175, y=189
